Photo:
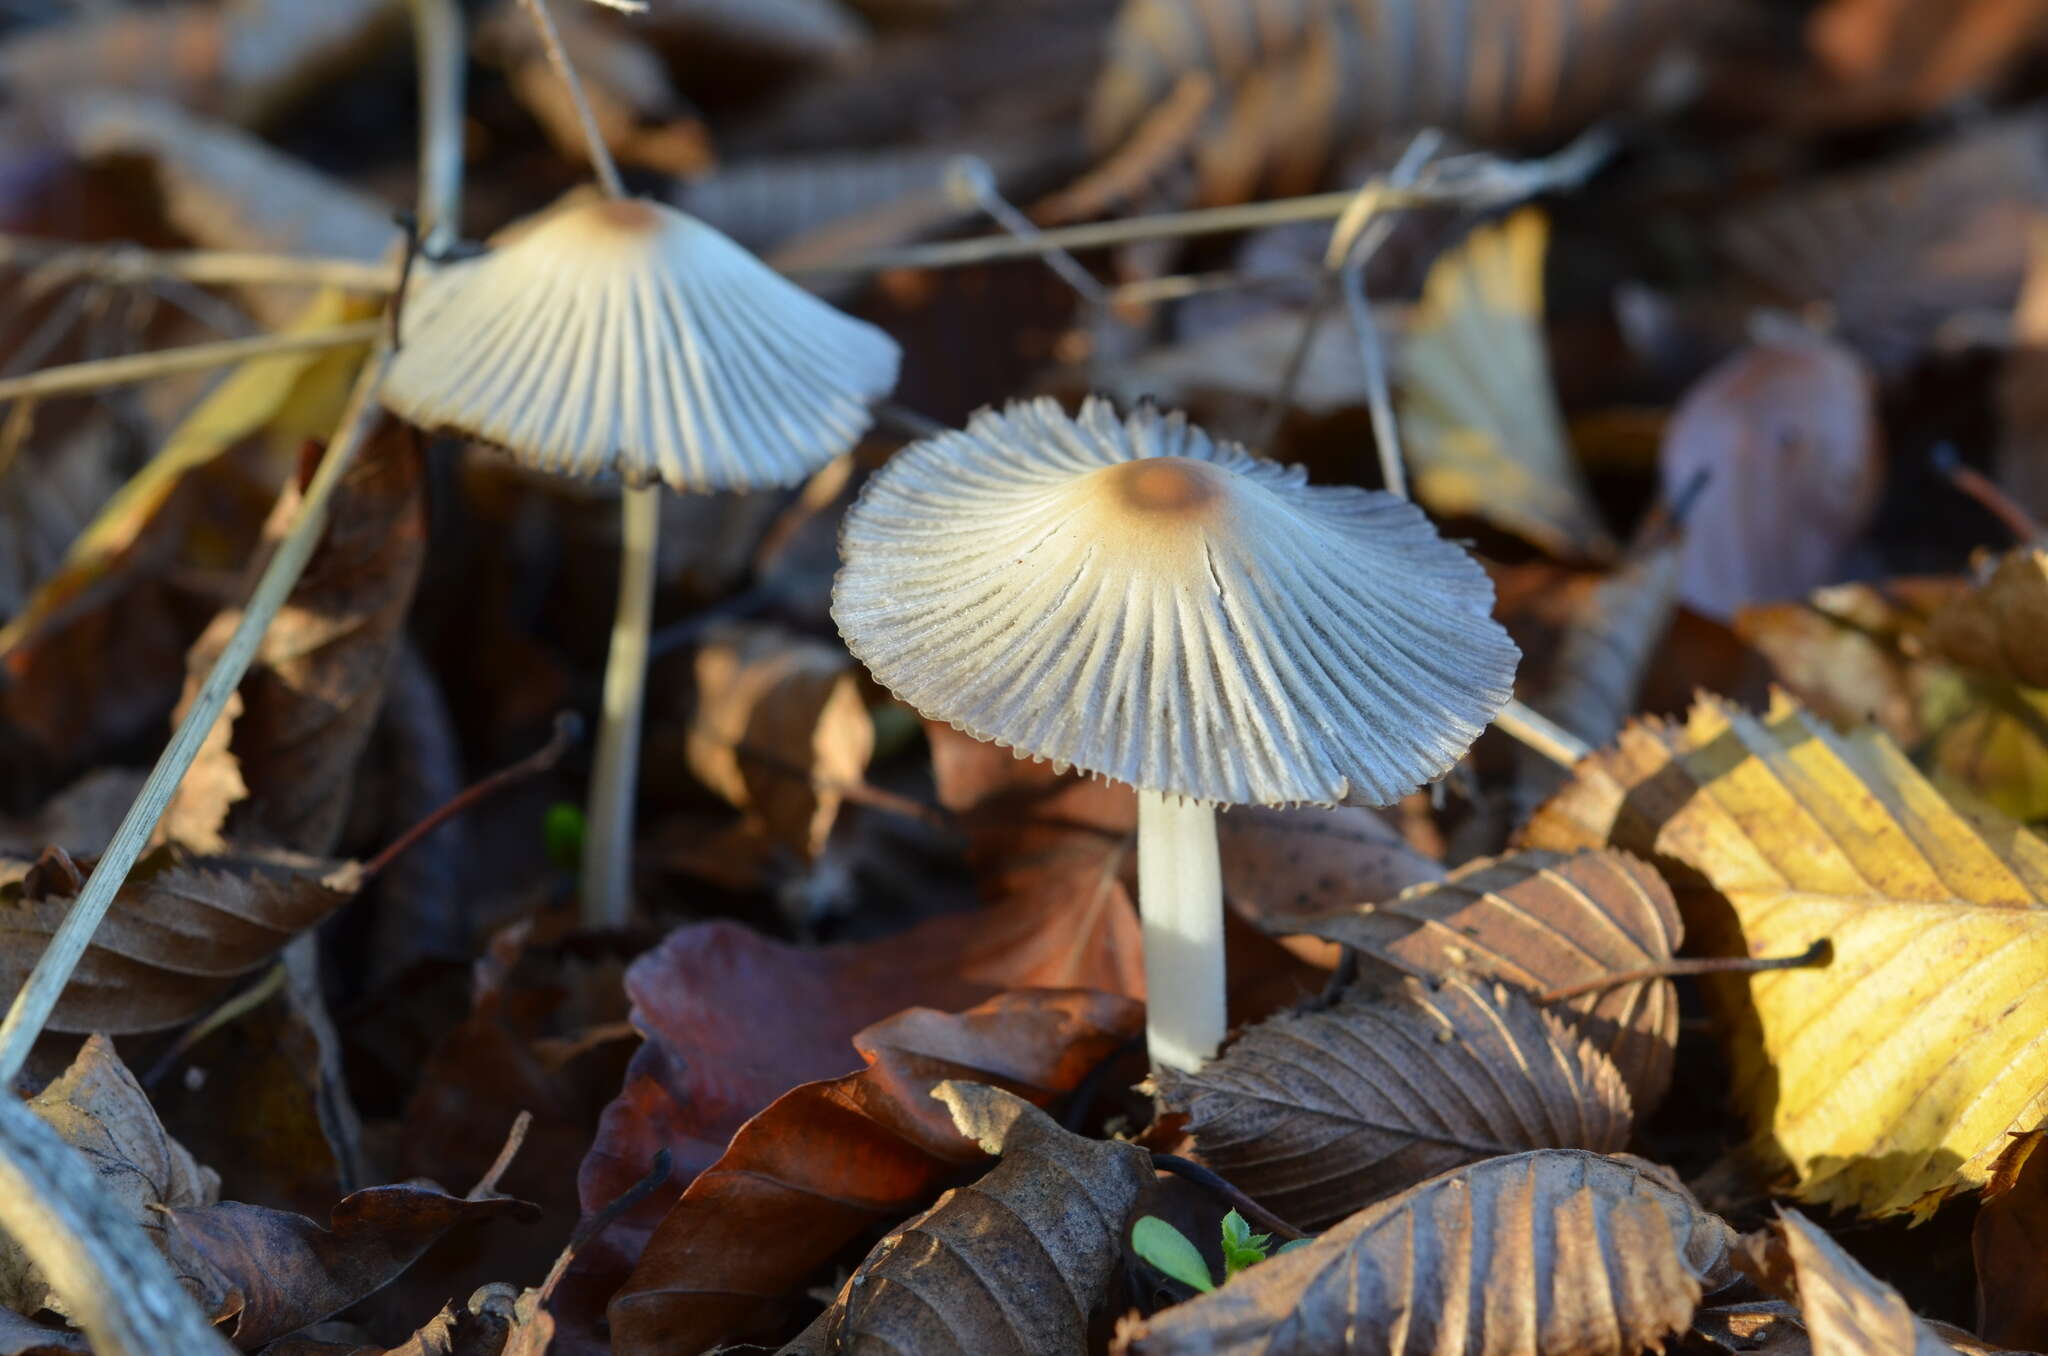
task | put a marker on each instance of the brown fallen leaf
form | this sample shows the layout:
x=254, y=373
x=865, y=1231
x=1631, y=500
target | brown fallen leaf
x=1787, y=438
x=97, y=1107
x=180, y=931
x=1898, y=58
x=310, y=698
x=1279, y=865
x=1320, y=1114
x=1556, y=1250
x=2010, y=1245
x=1997, y=627
x=1891, y=252
x=1890, y=1078
x=1846, y=1310
x=273, y=1272
x=1541, y=921
x=780, y=730
x=21, y=1336
x=1479, y=415
x=831, y=1159
x=1018, y=1264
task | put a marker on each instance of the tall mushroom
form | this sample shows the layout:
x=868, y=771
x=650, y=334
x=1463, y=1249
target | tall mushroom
x=1137, y=600
x=617, y=338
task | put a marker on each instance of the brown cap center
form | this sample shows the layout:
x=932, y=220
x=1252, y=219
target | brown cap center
x=1178, y=486
x=626, y=215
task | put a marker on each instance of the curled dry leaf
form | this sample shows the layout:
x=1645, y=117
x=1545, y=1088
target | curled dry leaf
x=272, y=1272
x=1846, y=1310
x=1557, y=1250
x=180, y=931
x=1018, y=1264
x=780, y=730
x=1786, y=435
x=832, y=1159
x=1997, y=627
x=1320, y=1114
x=1542, y=921
x=1479, y=417
x=1892, y=252
x=97, y=1108
x=311, y=696
x=1890, y=1078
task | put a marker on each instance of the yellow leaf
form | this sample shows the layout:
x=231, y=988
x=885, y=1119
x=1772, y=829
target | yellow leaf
x=288, y=397
x=1890, y=1078
x=1479, y=420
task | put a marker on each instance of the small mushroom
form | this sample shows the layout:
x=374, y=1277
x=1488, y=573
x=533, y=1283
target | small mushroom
x=1134, y=599
x=619, y=339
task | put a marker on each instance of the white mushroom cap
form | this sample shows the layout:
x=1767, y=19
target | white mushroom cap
x=1132, y=598
x=626, y=339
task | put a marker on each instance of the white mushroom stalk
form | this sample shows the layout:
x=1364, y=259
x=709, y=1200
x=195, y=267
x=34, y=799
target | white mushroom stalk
x=1134, y=599
x=1180, y=895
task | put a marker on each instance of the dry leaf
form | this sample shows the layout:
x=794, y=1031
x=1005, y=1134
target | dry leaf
x=1786, y=435
x=831, y=1159
x=1554, y=1251
x=180, y=931
x=1888, y=1079
x=1892, y=252
x=1543, y=921
x=1284, y=864
x=2022, y=458
x=273, y=1272
x=1301, y=87
x=2009, y=1243
x=1997, y=627
x=1018, y=1264
x=310, y=698
x=779, y=730
x=1320, y=1114
x=1846, y=1310
x=1898, y=58
x=1480, y=421
x=98, y=1108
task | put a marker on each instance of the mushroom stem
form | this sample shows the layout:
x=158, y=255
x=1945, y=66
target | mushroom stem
x=608, y=836
x=1180, y=901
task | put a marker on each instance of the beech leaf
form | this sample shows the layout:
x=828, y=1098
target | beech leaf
x=1319, y=1114
x=1890, y=1078
x=1018, y=1264
x=1556, y=1251
x=1997, y=627
x=1846, y=1310
x=275, y=1271
x=1542, y=921
x=179, y=933
x=99, y=1109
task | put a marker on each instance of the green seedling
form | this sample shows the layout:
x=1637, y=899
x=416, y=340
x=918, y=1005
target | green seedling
x=1169, y=1250
x=562, y=831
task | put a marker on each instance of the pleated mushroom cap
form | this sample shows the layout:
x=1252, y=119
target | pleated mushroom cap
x=625, y=339
x=1134, y=599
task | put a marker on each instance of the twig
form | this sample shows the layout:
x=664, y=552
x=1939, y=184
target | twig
x=131, y=265
x=115, y=1283
x=971, y=182
x=1974, y=483
x=605, y=1218
x=487, y=1185
x=568, y=729
x=126, y=371
x=38, y=997
x=1815, y=956
x=1477, y=182
x=1531, y=727
x=234, y=1007
x=1246, y=1206
x=600, y=154
x=443, y=58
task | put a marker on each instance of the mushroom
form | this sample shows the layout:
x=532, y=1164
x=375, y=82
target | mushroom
x=619, y=339
x=1134, y=599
